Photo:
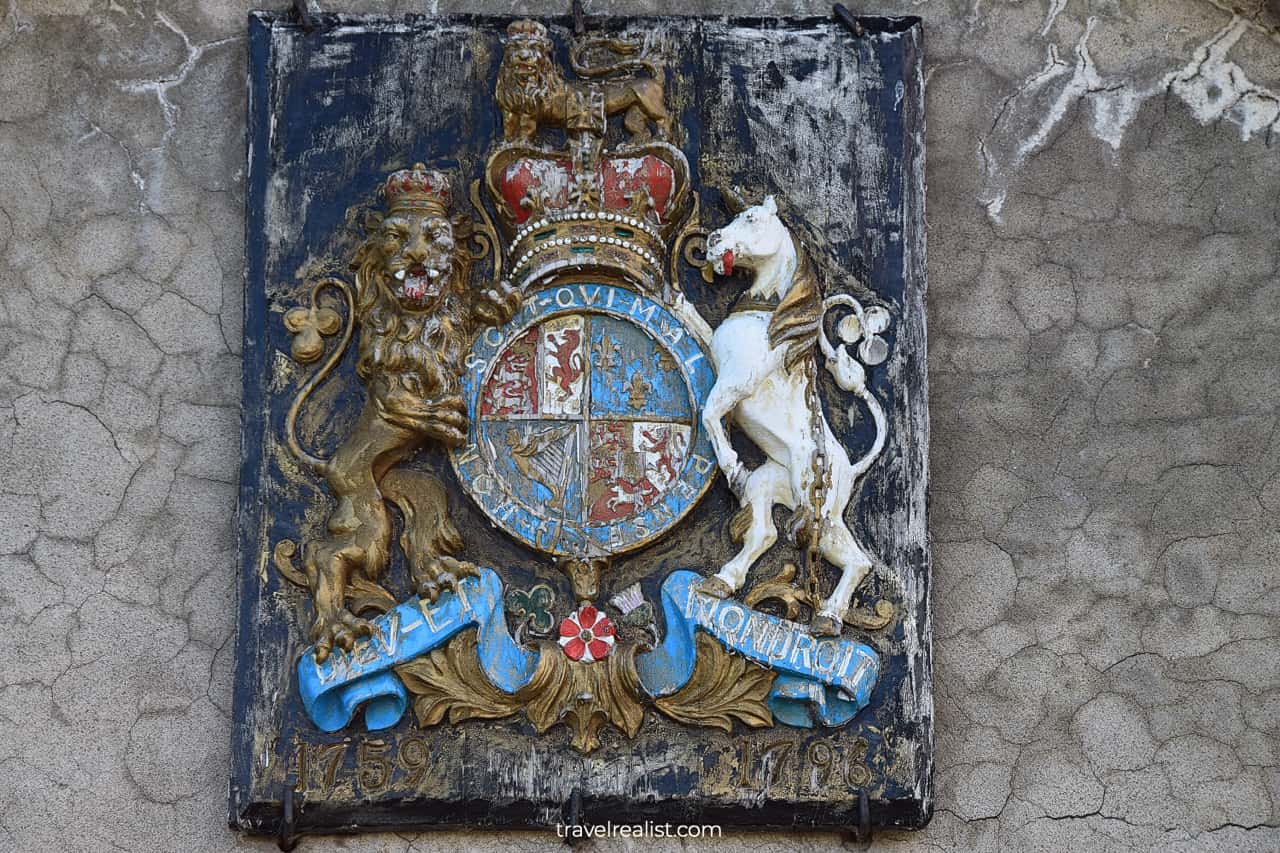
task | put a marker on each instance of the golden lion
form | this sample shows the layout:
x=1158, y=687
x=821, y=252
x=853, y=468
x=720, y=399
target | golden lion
x=417, y=319
x=531, y=91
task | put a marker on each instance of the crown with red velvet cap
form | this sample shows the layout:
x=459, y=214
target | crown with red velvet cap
x=633, y=204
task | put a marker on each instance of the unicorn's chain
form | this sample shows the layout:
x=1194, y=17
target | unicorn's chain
x=820, y=475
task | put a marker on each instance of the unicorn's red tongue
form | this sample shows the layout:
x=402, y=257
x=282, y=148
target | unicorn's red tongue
x=726, y=260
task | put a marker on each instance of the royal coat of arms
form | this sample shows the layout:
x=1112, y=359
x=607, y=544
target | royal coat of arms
x=569, y=456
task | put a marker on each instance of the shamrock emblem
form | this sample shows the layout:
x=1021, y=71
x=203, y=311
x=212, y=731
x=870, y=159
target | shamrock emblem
x=586, y=635
x=864, y=327
x=534, y=605
x=309, y=327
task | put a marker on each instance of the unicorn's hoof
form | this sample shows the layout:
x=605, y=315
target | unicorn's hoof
x=825, y=626
x=715, y=587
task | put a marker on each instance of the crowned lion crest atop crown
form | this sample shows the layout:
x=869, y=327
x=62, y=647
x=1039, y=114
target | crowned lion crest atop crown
x=564, y=199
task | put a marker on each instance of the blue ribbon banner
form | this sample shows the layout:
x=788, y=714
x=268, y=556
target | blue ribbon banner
x=824, y=680
x=820, y=681
x=333, y=691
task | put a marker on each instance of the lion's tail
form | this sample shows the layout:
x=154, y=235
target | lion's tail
x=318, y=463
x=628, y=61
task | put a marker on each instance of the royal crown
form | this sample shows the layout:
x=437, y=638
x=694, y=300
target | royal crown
x=616, y=216
x=527, y=30
x=576, y=195
x=418, y=188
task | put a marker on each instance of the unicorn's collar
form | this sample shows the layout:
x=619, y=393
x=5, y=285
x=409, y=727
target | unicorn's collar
x=754, y=302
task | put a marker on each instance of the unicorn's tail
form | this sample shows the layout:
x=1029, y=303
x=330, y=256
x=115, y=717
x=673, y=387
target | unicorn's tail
x=850, y=374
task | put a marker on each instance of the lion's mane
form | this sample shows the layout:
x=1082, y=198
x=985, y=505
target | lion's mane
x=529, y=97
x=421, y=350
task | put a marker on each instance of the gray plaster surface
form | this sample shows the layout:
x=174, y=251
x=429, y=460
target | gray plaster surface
x=1104, y=199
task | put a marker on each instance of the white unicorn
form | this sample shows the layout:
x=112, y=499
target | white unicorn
x=763, y=383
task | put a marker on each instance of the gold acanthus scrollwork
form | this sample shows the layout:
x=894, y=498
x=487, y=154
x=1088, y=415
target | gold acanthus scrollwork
x=449, y=684
x=722, y=688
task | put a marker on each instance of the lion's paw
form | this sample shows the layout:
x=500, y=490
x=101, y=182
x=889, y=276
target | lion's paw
x=440, y=574
x=337, y=630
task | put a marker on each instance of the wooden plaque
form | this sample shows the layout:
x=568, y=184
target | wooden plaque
x=585, y=426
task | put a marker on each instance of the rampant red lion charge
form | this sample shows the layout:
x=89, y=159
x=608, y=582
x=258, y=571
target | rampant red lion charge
x=569, y=364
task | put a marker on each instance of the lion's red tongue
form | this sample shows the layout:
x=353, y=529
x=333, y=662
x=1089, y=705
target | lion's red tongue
x=415, y=286
x=726, y=260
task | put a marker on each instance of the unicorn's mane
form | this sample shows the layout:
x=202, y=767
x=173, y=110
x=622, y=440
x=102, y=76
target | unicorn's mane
x=795, y=322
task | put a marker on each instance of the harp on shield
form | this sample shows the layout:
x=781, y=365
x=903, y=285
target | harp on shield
x=544, y=456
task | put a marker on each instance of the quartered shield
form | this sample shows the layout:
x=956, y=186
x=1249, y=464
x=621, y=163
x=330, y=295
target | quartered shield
x=585, y=439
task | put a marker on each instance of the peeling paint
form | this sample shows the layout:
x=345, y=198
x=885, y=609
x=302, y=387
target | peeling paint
x=1212, y=86
x=1216, y=88
x=1106, y=462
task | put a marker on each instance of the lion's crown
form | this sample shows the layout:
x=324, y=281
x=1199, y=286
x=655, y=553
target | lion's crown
x=527, y=30
x=417, y=188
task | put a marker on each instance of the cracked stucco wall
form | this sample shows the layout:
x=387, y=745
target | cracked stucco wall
x=1104, y=198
